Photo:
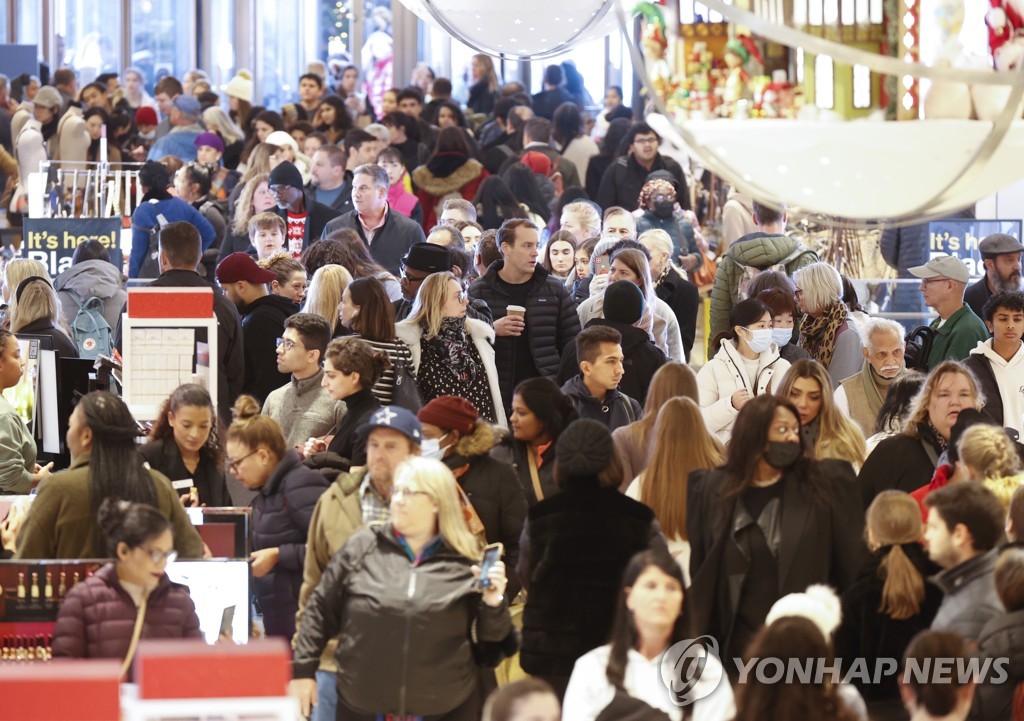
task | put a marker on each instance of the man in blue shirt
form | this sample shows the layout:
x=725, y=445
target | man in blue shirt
x=185, y=128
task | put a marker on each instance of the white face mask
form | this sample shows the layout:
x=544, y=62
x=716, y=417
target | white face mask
x=431, y=447
x=760, y=340
x=782, y=336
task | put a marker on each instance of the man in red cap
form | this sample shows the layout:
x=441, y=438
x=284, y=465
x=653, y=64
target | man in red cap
x=263, y=317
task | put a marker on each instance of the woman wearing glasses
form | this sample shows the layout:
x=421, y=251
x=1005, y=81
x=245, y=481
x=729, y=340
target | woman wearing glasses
x=287, y=494
x=105, y=463
x=452, y=355
x=402, y=598
x=97, y=617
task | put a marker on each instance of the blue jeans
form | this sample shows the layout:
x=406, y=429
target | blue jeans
x=326, y=696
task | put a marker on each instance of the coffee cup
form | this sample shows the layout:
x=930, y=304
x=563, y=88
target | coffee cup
x=517, y=311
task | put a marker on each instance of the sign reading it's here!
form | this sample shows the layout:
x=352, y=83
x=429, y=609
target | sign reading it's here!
x=52, y=241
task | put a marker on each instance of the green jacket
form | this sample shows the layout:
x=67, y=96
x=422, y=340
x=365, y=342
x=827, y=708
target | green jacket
x=60, y=523
x=957, y=337
x=758, y=250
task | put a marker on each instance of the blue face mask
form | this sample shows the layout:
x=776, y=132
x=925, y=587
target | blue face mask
x=760, y=340
x=782, y=336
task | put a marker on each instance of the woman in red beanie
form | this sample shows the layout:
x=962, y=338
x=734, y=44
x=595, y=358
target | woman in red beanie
x=454, y=433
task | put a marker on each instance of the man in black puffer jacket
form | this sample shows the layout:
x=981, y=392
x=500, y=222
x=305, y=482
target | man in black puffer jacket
x=623, y=307
x=528, y=346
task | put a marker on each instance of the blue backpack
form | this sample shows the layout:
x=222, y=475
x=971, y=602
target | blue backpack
x=90, y=329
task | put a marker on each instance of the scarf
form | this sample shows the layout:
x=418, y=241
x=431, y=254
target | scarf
x=818, y=335
x=876, y=387
x=457, y=350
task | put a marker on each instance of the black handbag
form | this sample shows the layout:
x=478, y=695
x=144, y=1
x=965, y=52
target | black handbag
x=404, y=392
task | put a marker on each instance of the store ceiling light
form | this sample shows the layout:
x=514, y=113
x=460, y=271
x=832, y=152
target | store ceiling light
x=521, y=29
x=867, y=172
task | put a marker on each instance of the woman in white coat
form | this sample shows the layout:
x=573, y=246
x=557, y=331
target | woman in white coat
x=452, y=355
x=744, y=366
x=659, y=320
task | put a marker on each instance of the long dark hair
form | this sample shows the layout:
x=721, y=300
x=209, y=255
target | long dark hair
x=350, y=253
x=567, y=124
x=342, y=120
x=495, y=203
x=743, y=314
x=269, y=117
x=546, y=401
x=456, y=111
x=614, y=144
x=376, y=318
x=791, y=638
x=190, y=394
x=526, y=189
x=451, y=140
x=746, y=449
x=624, y=636
x=897, y=404
x=116, y=468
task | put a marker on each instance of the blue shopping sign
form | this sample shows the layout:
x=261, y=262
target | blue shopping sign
x=960, y=238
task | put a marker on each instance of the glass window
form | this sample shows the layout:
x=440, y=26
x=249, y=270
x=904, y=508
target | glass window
x=377, y=56
x=861, y=86
x=589, y=59
x=30, y=23
x=824, y=81
x=222, y=49
x=334, y=36
x=281, y=60
x=88, y=37
x=462, y=63
x=3, y=22
x=162, y=37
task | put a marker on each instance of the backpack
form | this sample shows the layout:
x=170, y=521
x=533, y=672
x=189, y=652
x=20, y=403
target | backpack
x=151, y=263
x=748, y=272
x=919, y=347
x=90, y=330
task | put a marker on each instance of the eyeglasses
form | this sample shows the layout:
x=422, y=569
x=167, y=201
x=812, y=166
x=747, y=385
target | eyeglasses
x=406, y=493
x=233, y=464
x=411, y=279
x=929, y=281
x=645, y=141
x=463, y=296
x=286, y=342
x=158, y=556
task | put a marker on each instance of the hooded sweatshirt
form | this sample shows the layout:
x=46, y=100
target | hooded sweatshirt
x=88, y=279
x=615, y=411
x=1009, y=381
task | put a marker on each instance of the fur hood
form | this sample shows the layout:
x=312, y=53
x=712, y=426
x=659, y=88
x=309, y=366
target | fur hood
x=484, y=437
x=442, y=185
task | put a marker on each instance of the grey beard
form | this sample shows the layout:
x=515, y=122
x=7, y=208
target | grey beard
x=1009, y=284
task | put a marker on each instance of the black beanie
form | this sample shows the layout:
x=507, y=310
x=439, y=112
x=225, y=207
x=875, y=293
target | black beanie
x=583, y=449
x=624, y=302
x=286, y=174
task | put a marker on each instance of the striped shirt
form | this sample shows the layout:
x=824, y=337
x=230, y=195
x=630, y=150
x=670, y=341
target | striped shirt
x=384, y=389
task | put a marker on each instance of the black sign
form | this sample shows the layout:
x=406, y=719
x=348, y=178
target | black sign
x=52, y=241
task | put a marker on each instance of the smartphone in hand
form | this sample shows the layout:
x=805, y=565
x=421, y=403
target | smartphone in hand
x=492, y=554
